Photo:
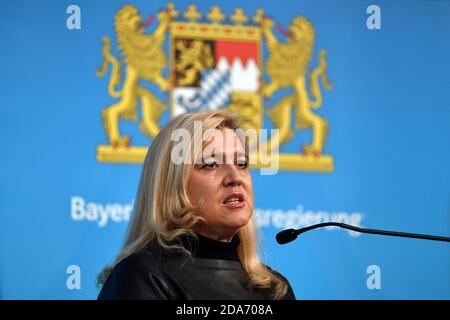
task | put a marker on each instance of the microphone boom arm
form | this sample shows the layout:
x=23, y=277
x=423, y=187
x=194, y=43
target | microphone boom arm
x=291, y=234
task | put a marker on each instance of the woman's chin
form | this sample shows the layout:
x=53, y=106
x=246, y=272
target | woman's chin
x=239, y=219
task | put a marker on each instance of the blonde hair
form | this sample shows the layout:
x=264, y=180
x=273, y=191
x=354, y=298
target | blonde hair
x=163, y=211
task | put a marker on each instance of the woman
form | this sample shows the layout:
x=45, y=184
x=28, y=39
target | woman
x=192, y=235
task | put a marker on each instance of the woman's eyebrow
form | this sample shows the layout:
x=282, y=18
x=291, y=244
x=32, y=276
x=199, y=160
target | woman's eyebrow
x=221, y=155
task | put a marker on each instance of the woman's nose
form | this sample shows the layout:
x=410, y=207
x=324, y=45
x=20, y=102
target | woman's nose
x=232, y=176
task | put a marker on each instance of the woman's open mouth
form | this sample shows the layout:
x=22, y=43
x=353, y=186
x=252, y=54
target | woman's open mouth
x=234, y=201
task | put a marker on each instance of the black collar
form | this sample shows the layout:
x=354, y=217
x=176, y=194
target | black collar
x=208, y=248
x=204, y=248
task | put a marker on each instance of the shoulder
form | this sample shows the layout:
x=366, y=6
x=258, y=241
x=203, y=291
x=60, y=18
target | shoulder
x=135, y=263
x=290, y=295
x=132, y=278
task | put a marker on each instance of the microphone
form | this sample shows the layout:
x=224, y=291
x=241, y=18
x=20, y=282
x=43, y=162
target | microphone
x=289, y=235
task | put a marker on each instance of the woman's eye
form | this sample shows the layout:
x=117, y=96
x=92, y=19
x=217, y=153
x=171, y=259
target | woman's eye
x=210, y=165
x=242, y=164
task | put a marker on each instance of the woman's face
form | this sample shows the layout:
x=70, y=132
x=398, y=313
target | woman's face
x=224, y=183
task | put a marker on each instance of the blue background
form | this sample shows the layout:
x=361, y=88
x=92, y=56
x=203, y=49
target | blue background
x=389, y=116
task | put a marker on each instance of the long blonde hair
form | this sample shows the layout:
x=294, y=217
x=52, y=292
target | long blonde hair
x=163, y=211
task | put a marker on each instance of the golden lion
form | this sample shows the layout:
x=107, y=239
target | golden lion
x=287, y=66
x=194, y=56
x=144, y=59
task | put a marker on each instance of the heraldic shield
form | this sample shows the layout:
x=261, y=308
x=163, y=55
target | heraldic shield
x=215, y=62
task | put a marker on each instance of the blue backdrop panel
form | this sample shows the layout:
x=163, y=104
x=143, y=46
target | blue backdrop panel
x=64, y=214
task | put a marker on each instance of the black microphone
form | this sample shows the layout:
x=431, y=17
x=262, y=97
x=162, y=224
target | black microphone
x=289, y=235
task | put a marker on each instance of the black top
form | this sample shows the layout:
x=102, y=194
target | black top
x=211, y=249
x=213, y=272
